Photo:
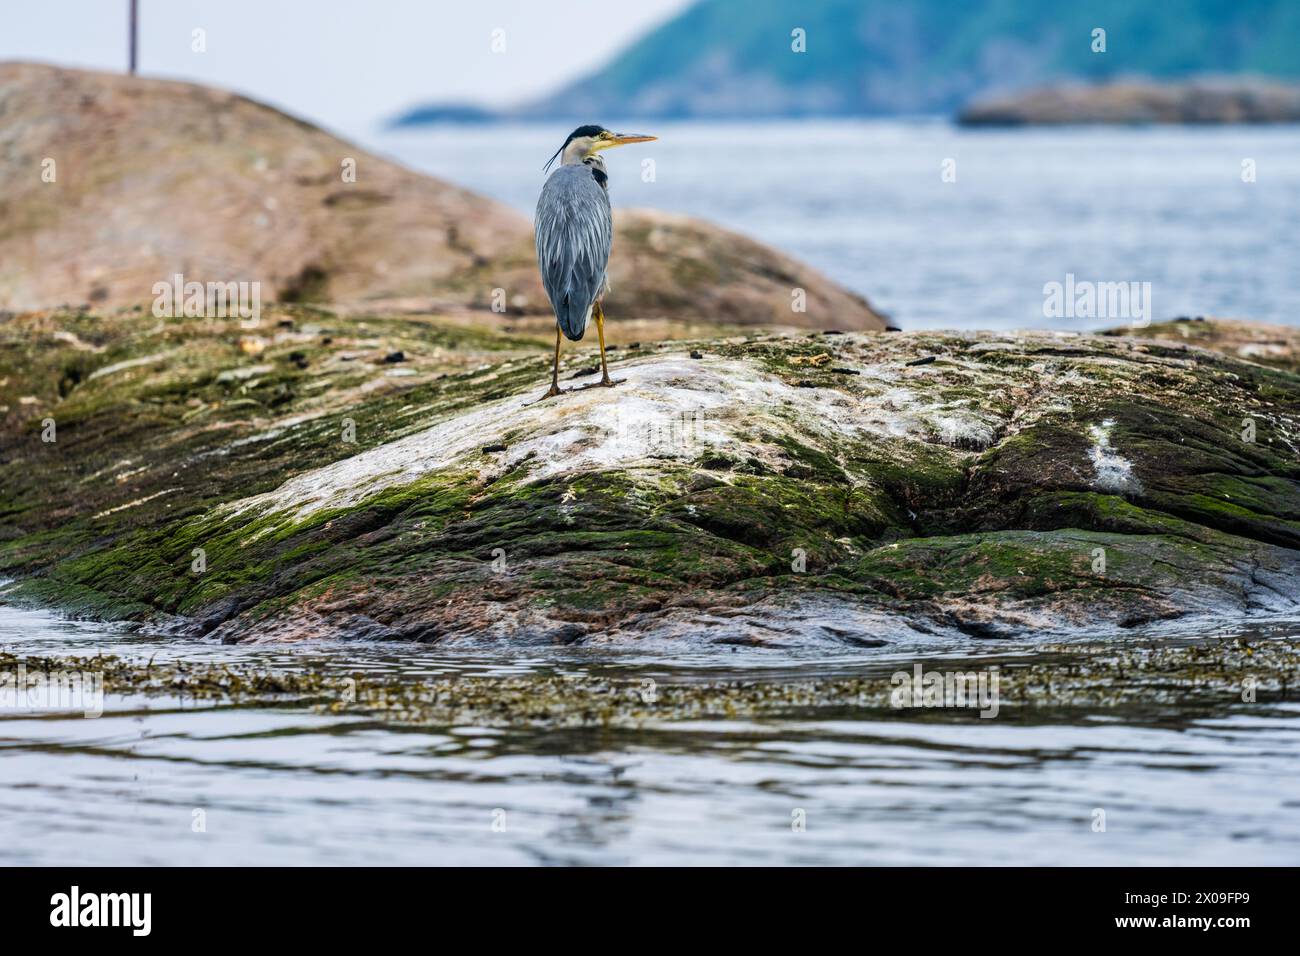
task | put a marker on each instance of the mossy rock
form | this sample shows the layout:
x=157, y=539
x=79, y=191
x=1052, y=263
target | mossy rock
x=294, y=483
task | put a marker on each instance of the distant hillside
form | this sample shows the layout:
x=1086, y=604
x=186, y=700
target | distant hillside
x=733, y=58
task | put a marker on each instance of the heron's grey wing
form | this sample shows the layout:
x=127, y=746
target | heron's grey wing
x=574, y=231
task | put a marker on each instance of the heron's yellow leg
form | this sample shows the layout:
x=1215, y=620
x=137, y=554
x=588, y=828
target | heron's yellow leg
x=599, y=316
x=555, y=368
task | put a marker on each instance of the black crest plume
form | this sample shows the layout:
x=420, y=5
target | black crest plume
x=580, y=131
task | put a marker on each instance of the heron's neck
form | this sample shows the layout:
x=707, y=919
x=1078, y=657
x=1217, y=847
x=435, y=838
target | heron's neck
x=578, y=152
x=575, y=152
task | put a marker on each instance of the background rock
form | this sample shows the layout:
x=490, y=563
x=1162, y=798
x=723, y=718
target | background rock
x=155, y=178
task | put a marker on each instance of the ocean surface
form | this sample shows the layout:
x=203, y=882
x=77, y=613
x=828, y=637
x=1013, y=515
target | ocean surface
x=295, y=786
x=867, y=203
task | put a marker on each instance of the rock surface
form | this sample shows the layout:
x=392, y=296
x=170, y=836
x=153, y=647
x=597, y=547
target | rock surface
x=1277, y=346
x=1236, y=101
x=153, y=178
x=789, y=489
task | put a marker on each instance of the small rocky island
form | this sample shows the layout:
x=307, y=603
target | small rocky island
x=1140, y=102
x=393, y=477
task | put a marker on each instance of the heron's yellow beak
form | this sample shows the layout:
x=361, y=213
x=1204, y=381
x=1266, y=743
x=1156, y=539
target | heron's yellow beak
x=622, y=139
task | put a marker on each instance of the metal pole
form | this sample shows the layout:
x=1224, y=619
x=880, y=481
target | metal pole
x=135, y=22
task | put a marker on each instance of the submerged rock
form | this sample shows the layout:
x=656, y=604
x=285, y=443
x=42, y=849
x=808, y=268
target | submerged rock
x=1021, y=484
x=1073, y=681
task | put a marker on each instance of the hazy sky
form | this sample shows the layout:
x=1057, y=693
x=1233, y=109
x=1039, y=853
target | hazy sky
x=343, y=63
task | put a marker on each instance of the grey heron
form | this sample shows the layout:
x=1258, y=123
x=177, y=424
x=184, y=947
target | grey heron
x=574, y=230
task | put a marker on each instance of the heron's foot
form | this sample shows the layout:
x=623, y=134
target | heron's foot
x=551, y=392
x=605, y=382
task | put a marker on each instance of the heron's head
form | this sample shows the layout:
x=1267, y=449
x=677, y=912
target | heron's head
x=586, y=141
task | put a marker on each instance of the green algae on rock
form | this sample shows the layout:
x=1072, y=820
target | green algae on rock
x=777, y=489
